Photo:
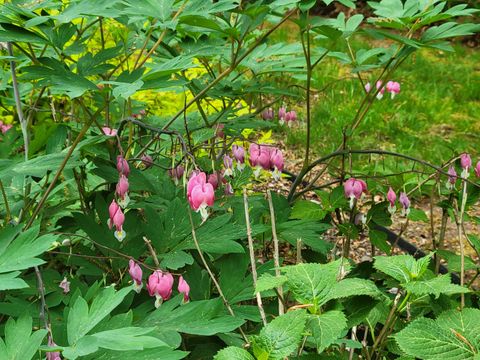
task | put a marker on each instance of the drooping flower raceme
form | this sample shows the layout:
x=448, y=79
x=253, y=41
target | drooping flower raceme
x=200, y=194
x=393, y=88
x=276, y=160
x=228, y=163
x=183, y=288
x=135, y=272
x=466, y=163
x=239, y=155
x=405, y=201
x=391, y=197
x=160, y=285
x=354, y=189
x=452, y=177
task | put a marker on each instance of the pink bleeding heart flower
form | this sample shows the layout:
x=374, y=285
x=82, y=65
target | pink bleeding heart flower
x=135, y=272
x=282, y=112
x=228, y=163
x=5, y=127
x=228, y=189
x=466, y=163
x=391, y=197
x=176, y=173
x=259, y=158
x=477, y=169
x=393, y=88
x=112, y=210
x=239, y=155
x=276, y=159
x=368, y=87
x=354, y=189
x=183, y=288
x=213, y=180
x=122, y=191
x=122, y=166
x=452, y=177
x=405, y=201
x=65, y=285
x=380, y=86
x=147, y=161
x=200, y=194
x=160, y=285
x=268, y=114
x=118, y=220
x=219, y=131
x=53, y=355
x=109, y=131
x=290, y=117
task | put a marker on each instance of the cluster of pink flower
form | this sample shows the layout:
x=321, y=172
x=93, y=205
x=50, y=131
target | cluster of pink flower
x=284, y=116
x=4, y=127
x=403, y=200
x=392, y=87
x=267, y=158
x=117, y=218
x=159, y=284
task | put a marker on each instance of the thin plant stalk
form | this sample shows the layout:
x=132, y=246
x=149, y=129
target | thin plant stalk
x=252, y=258
x=276, y=251
x=461, y=240
x=210, y=273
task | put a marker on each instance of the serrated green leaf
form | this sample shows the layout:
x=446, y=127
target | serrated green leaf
x=280, y=337
x=268, y=282
x=233, y=353
x=440, y=284
x=326, y=328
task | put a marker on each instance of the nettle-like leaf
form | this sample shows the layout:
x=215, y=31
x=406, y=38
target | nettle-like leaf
x=326, y=328
x=455, y=335
x=280, y=337
x=316, y=284
x=233, y=353
x=20, y=343
x=438, y=285
x=403, y=268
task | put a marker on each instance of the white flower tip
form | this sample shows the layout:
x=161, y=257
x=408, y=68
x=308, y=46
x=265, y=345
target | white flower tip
x=120, y=235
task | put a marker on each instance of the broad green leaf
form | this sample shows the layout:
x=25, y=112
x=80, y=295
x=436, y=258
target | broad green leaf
x=403, y=268
x=354, y=287
x=326, y=328
x=268, y=282
x=440, y=284
x=427, y=339
x=82, y=318
x=10, y=281
x=233, y=353
x=280, y=337
x=20, y=343
x=305, y=209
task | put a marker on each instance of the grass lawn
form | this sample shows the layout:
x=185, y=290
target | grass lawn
x=436, y=115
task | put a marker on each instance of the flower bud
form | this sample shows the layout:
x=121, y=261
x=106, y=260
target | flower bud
x=276, y=160
x=118, y=220
x=391, y=197
x=267, y=114
x=452, y=177
x=382, y=89
x=477, y=169
x=122, y=166
x=405, y=201
x=183, y=288
x=368, y=87
x=109, y=131
x=122, y=191
x=228, y=163
x=135, y=272
x=466, y=163
x=239, y=155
